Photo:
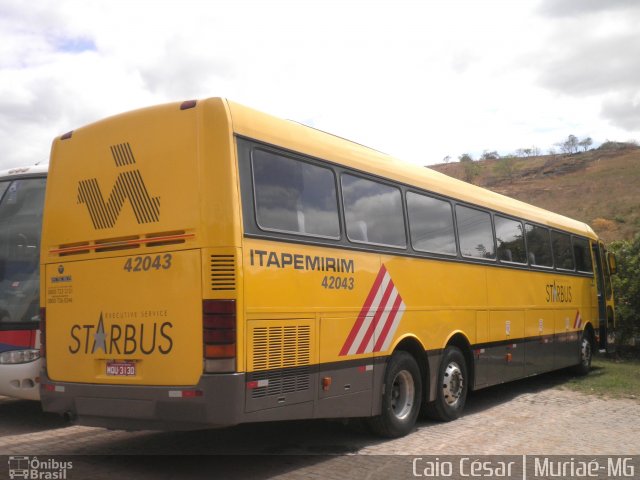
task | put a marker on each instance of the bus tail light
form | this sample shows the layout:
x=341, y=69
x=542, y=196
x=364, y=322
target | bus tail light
x=43, y=330
x=219, y=335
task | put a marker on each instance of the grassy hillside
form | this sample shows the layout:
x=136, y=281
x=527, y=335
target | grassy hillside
x=600, y=187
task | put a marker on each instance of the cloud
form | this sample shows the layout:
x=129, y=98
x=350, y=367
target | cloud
x=595, y=56
x=573, y=8
x=623, y=111
x=183, y=69
x=594, y=65
x=419, y=80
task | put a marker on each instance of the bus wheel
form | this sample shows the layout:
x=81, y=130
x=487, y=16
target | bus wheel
x=586, y=354
x=401, y=397
x=451, y=393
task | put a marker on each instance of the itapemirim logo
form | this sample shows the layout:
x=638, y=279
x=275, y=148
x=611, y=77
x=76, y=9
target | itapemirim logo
x=32, y=468
x=129, y=186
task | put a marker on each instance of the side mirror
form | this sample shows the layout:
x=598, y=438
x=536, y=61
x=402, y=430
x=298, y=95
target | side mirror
x=612, y=262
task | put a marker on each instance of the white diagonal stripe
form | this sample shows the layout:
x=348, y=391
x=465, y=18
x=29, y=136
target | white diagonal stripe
x=369, y=315
x=394, y=327
x=384, y=318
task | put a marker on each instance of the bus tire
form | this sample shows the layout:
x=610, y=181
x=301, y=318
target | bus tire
x=586, y=354
x=452, y=387
x=401, y=398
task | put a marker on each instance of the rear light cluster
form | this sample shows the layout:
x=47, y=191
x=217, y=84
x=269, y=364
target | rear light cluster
x=219, y=335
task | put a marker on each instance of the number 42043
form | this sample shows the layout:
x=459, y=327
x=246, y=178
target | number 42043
x=148, y=262
x=338, y=283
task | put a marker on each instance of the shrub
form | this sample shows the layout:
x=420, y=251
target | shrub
x=626, y=285
x=603, y=225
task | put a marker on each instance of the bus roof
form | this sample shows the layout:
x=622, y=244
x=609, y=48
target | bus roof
x=26, y=170
x=307, y=140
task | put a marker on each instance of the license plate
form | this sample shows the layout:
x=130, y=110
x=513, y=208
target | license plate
x=121, y=369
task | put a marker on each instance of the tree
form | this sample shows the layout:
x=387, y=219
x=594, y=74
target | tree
x=506, y=167
x=585, y=143
x=446, y=159
x=570, y=145
x=470, y=168
x=626, y=286
x=490, y=155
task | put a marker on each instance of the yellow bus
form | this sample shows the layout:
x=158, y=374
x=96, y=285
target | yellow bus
x=205, y=264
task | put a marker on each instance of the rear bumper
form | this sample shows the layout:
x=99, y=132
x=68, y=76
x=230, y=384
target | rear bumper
x=220, y=404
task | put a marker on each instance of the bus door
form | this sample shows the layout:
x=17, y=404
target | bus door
x=604, y=332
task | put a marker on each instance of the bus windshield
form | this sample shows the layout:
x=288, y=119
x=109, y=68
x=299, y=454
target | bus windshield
x=21, y=203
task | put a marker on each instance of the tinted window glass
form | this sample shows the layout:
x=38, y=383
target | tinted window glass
x=431, y=224
x=539, y=246
x=294, y=196
x=562, y=251
x=475, y=232
x=582, y=254
x=3, y=188
x=510, y=239
x=20, y=225
x=373, y=212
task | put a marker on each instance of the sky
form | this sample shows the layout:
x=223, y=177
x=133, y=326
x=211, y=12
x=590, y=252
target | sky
x=420, y=80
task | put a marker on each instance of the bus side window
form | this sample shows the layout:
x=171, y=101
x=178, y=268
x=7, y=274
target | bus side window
x=562, y=251
x=510, y=238
x=294, y=196
x=431, y=224
x=373, y=212
x=475, y=232
x=539, y=245
x=582, y=254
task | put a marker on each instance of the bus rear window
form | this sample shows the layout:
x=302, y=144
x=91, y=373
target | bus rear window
x=562, y=251
x=295, y=197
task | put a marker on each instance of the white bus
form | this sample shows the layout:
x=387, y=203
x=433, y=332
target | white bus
x=21, y=202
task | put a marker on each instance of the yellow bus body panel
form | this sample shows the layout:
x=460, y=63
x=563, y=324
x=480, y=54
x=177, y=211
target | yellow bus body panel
x=105, y=312
x=131, y=188
x=111, y=171
x=442, y=298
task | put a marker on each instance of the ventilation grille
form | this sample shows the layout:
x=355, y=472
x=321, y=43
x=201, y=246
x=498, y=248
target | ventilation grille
x=281, y=355
x=279, y=383
x=123, y=243
x=223, y=272
x=281, y=347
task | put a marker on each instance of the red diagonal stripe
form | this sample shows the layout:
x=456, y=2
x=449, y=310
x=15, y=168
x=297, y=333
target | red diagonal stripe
x=387, y=325
x=363, y=312
x=376, y=317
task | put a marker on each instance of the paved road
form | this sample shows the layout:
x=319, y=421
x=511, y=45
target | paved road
x=535, y=416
